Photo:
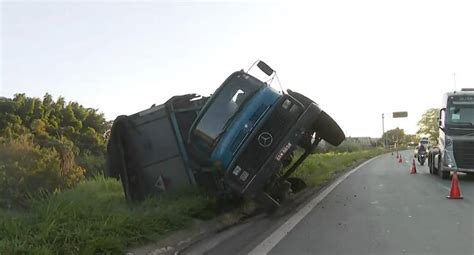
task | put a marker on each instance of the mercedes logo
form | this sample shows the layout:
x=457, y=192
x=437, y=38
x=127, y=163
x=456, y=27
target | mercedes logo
x=265, y=139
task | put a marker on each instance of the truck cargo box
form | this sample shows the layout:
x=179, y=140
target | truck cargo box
x=147, y=151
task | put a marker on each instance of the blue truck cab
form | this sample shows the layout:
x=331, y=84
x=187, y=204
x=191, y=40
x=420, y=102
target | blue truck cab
x=248, y=132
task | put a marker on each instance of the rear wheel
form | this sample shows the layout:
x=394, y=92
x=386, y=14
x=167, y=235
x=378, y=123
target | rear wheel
x=435, y=169
x=443, y=174
x=297, y=184
x=430, y=165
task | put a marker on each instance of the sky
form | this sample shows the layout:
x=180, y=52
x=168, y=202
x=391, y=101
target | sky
x=356, y=59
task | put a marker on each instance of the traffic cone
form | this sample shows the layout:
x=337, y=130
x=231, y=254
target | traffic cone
x=413, y=168
x=400, y=159
x=455, y=192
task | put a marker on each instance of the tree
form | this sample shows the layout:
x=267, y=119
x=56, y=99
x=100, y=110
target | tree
x=50, y=122
x=410, y=139
x=394, y=136
x=428, y=125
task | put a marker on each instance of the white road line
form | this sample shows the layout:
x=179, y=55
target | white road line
x=444, y=187
x=273, y=239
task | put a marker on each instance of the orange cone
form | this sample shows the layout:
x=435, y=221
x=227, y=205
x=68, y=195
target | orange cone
x=455, y=192
x=400, y=159
x=413, y=168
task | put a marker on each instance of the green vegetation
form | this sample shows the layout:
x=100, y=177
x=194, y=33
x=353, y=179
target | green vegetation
x=428, y=125
x=94, y=218
x=321, y=168
x=47, y=145
x=26, y=169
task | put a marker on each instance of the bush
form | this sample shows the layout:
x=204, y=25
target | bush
x=93, y=164
x=26, y=169
x=95, y=218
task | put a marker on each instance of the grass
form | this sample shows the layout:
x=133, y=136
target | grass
x=320, y=168
x=94, y=218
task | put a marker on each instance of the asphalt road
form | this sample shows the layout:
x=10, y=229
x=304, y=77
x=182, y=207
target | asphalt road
x=379, y=209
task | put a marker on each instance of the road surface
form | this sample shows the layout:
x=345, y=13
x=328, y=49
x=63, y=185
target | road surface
x=379, y=209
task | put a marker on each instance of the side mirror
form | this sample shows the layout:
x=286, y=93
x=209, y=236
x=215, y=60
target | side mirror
x=265, y=68
x=440, y=122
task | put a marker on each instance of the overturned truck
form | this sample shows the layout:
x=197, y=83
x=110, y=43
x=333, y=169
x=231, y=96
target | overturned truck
x=242, y=141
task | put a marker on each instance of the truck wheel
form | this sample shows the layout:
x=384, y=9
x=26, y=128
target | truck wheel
x=430, y=165
x=443, y=174
x=325, y=126
x=297, y=184
x=435, y=169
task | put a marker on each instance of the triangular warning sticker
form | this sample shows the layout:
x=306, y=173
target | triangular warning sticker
x=160, y=183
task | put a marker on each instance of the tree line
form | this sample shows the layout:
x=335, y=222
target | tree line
x=427, y=127
x=48, y=144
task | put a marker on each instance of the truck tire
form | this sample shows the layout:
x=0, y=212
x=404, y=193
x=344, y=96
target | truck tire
x=325, y=126
x=443, y=174
x=297, y=184
x=435, y=169
x=430, y=165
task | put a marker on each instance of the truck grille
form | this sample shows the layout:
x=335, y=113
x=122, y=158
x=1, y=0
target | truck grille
x=278, y=124
x=464, y=154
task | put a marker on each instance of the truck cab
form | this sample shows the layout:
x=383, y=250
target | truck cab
x=248, y=132
x=455, y=150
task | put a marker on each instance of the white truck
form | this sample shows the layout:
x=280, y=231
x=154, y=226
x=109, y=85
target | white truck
x=455, y=149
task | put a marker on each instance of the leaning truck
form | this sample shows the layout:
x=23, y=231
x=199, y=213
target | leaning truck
x=455, y=149
x=247, y=139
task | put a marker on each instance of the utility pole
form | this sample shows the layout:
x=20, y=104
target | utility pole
x=383, y=132
x=454, y=78
x=394, y=115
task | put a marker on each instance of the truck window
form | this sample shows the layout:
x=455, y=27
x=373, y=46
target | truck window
x=225, y=105
x=460, y=110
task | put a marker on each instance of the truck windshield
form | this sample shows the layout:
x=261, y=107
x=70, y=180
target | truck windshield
x=460, y=111
x=225, y=104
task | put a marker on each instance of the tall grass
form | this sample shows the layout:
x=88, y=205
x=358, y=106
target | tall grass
x=320, y=168
x=94, y=218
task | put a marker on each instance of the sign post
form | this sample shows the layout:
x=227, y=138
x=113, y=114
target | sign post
x=394, y=115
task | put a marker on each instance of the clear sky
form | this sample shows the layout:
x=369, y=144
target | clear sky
x=357, y=59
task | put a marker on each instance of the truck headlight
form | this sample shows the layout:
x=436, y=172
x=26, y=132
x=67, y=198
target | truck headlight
x=237, y=170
